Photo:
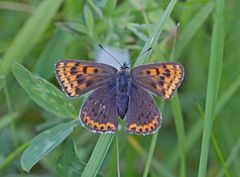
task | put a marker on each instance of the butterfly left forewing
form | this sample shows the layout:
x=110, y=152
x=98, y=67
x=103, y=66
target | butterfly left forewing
x=77, y=77
x=162, y=79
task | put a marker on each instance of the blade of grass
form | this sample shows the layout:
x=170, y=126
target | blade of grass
x=7, y=119
x=231, y=158
x=152, y=148
x=156, y=33
x=10, y=110
x=191, y=138
x=216, y=146
x=150, y=154
x=13, y=155
x=227, y=95
x=213, y=83
x=179, y=124
x=220, y=156
x=196, y=129
x=98, y=10
x=2, y=78
x=190, y=30
x=160, y=168
x=29, y=34
x=193, y=26
x=98, y=154
x=16, y=6
x=141, y=59
x=229, y=142
x=118, y=162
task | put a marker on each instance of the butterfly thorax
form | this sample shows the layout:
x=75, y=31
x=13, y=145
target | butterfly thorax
x=123, y=83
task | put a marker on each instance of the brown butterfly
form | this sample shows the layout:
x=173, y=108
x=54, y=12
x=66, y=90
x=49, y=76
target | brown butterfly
x=121, y=93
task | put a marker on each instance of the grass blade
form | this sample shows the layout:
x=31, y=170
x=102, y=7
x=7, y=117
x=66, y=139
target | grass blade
x=98, y=155
x=213, y=83
x=227, y=95
x=193, y=26
x=141, y=59
x=30, y=33
x=234, y=154
x=13, y=155
x=156, y=33
x=8, y=119
x=179, y=124
x=2, y=78
x=160, y=168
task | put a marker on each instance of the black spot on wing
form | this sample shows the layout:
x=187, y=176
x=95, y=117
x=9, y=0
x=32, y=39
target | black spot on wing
x=88, y=83
x=85, y=69
x=95, y=70
x=161, y=82
x=73, y=70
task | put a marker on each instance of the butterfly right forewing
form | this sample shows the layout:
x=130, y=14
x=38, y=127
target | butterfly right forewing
x=163, y=79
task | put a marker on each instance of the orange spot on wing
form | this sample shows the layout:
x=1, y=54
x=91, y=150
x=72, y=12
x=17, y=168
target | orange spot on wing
x=97, y=126
x=147, y=128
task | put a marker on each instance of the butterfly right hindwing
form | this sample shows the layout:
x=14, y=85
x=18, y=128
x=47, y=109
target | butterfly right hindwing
x=143, y=116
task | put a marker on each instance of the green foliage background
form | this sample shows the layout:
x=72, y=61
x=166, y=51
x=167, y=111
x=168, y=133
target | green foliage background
x=39, y=127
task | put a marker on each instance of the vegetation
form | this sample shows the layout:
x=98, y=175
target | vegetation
x=40, y=132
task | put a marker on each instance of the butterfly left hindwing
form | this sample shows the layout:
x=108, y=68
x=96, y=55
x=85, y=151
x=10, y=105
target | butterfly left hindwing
x=78, y=77
x=99, y=112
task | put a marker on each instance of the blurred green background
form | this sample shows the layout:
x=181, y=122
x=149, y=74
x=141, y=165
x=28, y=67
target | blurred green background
x=39, y=33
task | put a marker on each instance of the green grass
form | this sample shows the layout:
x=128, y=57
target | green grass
x=40, y=132
x=215, y=67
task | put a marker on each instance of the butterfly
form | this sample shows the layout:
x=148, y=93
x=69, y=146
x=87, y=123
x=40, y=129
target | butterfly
x=120, y=93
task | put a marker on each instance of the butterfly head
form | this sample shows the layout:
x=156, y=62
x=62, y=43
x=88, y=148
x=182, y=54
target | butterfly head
x=124, y=66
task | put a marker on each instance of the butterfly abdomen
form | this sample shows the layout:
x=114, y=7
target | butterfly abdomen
x=122, y=92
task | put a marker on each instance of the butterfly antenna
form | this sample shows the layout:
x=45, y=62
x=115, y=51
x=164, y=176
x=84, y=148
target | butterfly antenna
x=150, y=48
x=109, y=54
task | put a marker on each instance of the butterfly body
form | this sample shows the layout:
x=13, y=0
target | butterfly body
x=119, y=93
x=122, y=89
